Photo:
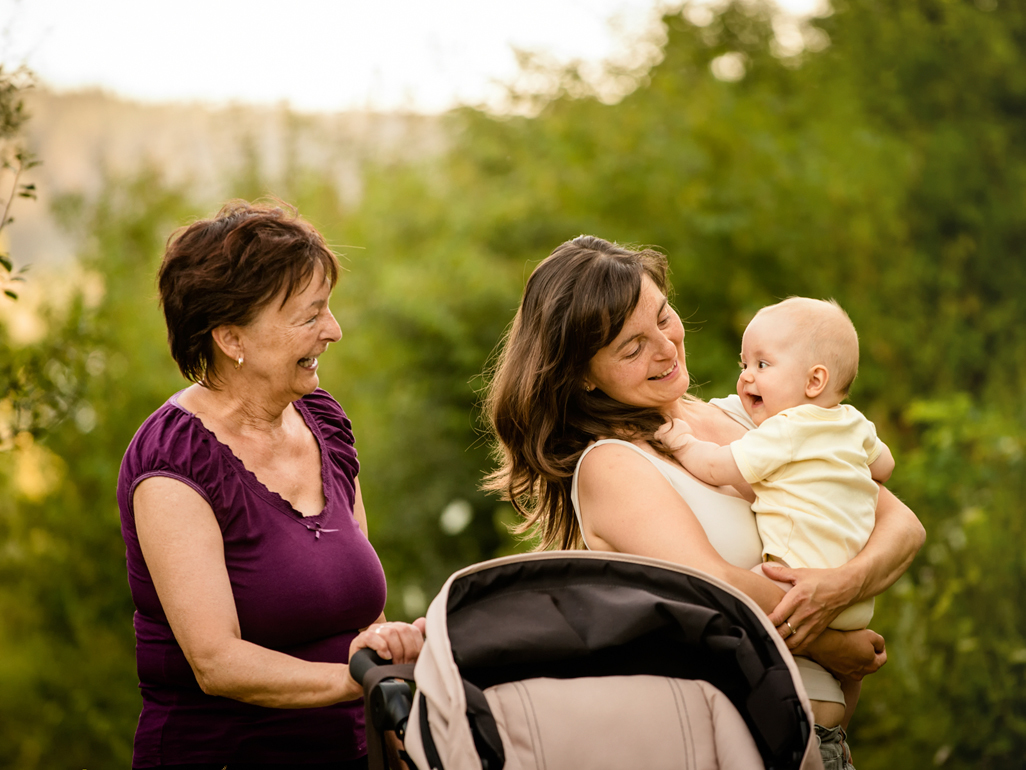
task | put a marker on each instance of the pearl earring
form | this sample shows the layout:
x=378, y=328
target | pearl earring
x=238, y=364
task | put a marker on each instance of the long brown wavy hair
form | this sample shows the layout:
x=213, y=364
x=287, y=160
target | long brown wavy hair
x=575, y=303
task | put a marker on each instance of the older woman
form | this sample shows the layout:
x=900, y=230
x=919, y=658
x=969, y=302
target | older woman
x=248, y=557
x=592, y=366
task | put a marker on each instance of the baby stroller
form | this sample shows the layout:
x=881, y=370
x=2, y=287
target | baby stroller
x=571, y=659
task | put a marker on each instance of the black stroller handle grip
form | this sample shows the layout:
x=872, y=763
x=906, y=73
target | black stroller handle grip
x=388, y=700
x=363, y=661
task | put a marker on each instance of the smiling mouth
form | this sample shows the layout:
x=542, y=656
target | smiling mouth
x=667, y=373
x=310, y=362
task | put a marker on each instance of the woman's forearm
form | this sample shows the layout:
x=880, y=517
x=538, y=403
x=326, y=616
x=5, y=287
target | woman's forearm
x=252, y=674
x=896, y=538
x=757, y=587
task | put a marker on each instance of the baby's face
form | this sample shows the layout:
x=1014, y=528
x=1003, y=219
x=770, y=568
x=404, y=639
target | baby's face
x=774, y=366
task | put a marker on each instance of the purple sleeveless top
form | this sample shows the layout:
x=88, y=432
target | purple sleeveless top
x=302, y=586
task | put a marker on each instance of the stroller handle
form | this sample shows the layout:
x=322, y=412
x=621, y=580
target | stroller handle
x=363, y=661
x=390, y=701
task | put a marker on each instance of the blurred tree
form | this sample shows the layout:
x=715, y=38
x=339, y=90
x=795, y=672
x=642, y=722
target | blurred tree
x=67, y=679
x=877, y=157
x=953, y=695
x=23, y=404
x=14, y=160
x=879, y=163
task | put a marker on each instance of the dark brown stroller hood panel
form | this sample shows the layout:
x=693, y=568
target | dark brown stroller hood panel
x=578, y=615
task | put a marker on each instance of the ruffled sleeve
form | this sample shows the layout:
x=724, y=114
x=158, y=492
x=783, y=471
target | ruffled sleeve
x=336, y=436
x=173, y=443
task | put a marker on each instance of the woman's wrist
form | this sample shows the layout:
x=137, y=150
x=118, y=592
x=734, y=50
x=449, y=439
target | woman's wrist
x=856, y=574
x=348, y=687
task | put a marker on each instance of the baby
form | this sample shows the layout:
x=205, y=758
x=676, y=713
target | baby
x=812, y=461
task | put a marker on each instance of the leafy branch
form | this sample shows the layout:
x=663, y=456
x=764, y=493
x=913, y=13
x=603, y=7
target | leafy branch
x=15, y=161
x=21, y=161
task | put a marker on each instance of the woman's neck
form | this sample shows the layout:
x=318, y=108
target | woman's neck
x=232, y=411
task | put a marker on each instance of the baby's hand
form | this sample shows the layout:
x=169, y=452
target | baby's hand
x=673, y=433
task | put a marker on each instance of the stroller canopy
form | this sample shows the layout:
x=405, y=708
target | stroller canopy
x=574, y=615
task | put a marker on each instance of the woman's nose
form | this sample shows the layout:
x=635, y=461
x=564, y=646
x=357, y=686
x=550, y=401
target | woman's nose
x=668, y=347
x=332, y=330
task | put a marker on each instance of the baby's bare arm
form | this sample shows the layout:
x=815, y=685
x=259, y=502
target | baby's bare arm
x=712, y=463
x=883, y=466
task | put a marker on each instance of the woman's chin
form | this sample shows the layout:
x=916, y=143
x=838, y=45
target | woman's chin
x=306, y=384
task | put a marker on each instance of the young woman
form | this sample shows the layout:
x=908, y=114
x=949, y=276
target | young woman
x=592, y=366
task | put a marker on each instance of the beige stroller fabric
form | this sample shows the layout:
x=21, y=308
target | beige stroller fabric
x=602, y=722
x=650, y=722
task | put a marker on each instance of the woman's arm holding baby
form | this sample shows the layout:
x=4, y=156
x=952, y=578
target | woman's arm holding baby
x=819, y=595
x=611, y=511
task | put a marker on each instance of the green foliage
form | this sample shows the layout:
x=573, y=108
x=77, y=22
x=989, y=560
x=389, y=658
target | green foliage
x=883, y=166
x=67, y=678
x=955, y=693
x=14, y=160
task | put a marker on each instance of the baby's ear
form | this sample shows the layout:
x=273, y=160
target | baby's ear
x=818, y=378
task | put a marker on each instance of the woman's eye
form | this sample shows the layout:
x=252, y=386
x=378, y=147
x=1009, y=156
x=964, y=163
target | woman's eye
x=634, y=353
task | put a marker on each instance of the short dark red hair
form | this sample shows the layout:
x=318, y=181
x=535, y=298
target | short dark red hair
x=225, y=270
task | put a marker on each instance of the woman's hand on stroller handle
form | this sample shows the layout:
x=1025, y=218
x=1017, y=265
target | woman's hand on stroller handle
x=392, y=642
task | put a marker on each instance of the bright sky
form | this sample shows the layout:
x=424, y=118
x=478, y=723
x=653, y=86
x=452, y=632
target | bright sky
x=423, y=55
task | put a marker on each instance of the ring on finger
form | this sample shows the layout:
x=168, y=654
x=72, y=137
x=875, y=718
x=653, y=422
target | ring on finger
x=789, y=627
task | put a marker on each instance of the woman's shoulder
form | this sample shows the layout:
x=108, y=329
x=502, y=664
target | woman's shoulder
x=608, y=461
x=170, y=432
x=731, y=406
x=329, y=414
x=613, y=446
x=325, y=416
x=172, y=442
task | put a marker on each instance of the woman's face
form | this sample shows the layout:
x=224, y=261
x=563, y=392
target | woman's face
x=281, y=345
x=644, y=365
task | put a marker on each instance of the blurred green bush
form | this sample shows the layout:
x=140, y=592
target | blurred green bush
x=882, y=163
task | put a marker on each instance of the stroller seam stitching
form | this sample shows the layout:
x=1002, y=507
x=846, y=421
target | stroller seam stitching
x=532, y=723
x=529, y=725
x=685, y=722
x=536, y=727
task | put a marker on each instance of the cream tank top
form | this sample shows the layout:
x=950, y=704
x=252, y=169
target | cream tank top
x=729, y=524
x=728, y=521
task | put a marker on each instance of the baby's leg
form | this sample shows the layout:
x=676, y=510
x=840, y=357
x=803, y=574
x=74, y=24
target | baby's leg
x=851, y=688
x=827, y=713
